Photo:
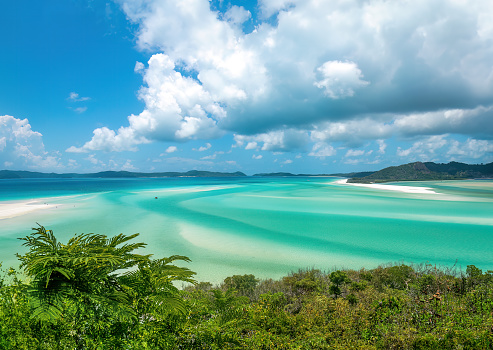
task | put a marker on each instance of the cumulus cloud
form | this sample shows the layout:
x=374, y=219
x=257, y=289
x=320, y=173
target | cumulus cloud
x=23, y=147
x=425, y=149
x=321, y=72
x=251, y=145
x=282, y=140
x=258, y=156
x=237, y=15
x=171, y=149
x=105, y=139
x=128, y=166
x=471, y=148
x=322, y=150
x=339, y=79
x=204, y=148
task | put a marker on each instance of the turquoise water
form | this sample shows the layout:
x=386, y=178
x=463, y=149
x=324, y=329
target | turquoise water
x=267, y=227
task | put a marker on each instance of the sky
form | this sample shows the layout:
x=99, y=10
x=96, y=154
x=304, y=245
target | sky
x=301, y=86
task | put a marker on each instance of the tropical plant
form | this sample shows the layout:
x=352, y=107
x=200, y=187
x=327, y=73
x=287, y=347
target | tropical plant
x=98, y=276
x=338, y=278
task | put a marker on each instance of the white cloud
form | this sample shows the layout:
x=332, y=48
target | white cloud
x=354, y=153
x=382, y=146
x=424, y=150
x=80, y=109
x=283, y=140
x=91, y=158
x=237, y=15
x=23, y=147
x=128, y=166
x=204, y=148
x=287, y=161
x=339, y=79
x=308, y=71
x=322, y=150
x=74, y=97
x=251, y=145
x=139, y=67
x=459, y=121
x=171, y=149
x=471, y=148
x=3, y=143
x=271, y=7
x=105, y=139
x=259, y=156
x=353, y=132
x=212, y=156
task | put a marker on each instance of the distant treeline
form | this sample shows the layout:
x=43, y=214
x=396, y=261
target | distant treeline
x=408, y=172
x=12, y=174
x=96, y=292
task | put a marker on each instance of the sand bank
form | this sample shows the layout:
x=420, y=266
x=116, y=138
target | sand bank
x=12, y=209
x=405, y=189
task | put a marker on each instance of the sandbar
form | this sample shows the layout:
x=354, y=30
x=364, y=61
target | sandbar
x=405, y=189
x=10, y=210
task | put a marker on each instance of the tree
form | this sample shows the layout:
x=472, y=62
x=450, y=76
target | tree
x=338, y=278
x=99, y=277
x=244, y=284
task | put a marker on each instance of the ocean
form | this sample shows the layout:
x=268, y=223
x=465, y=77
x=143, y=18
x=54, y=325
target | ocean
x=262, y=226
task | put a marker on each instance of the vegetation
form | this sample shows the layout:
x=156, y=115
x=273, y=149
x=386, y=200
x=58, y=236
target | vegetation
x=428, y=171
x=96, y=292
x=13, y=174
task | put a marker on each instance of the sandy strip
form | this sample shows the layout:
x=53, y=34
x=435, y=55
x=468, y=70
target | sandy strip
x=405, y=189
x=12, y=209
x=180, y=190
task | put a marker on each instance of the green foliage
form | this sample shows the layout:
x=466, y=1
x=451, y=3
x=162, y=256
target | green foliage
x=395, y=277
x=78, y=274
x=338, y=278
x=418, y=171
x=392, y=307
x=304, y=281
x=243, y=284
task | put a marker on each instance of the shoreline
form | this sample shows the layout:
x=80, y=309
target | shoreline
x=14, y=209
x=397, y=188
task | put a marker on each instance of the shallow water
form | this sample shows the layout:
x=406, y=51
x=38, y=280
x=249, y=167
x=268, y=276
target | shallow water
x=267, y=227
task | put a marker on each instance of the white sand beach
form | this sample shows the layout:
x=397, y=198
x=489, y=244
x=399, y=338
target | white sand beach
x=405, y=189
x=12, y=209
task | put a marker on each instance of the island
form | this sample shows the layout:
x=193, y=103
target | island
x=427, y=171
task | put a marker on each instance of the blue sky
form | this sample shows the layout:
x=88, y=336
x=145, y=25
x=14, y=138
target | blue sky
x=303, y=86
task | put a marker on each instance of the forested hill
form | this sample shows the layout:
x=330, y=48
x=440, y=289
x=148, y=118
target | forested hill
x=419, y=171
x=10, y=174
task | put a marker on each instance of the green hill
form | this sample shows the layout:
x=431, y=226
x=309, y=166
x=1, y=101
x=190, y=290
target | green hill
x=428, y=171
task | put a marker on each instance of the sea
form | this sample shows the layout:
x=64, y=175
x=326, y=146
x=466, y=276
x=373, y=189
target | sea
x=267, y=227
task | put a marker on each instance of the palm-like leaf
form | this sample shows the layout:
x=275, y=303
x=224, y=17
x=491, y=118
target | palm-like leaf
x=82, y=275
x=83, y=269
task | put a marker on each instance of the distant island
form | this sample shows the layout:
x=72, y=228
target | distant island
x=428, y=171
x=11, y=174
x=416, y=171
